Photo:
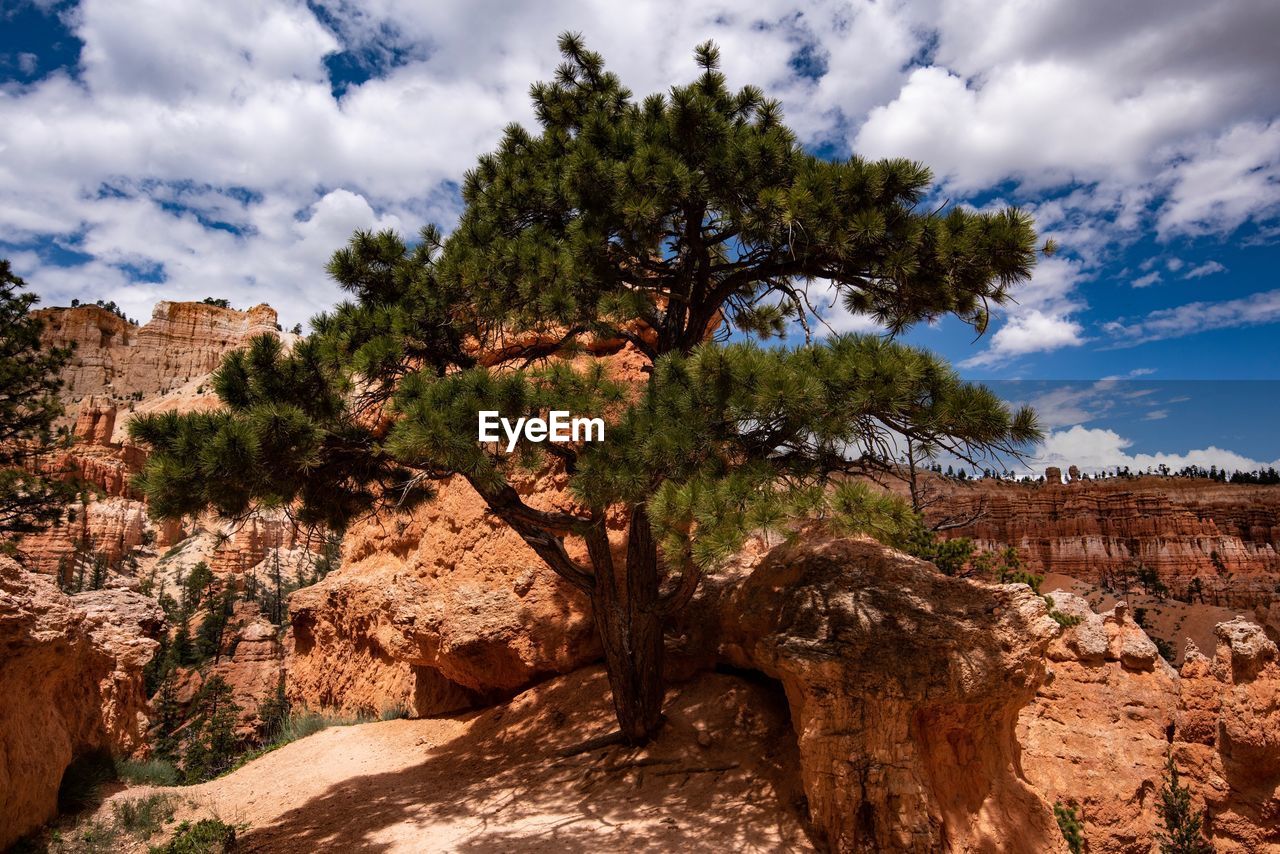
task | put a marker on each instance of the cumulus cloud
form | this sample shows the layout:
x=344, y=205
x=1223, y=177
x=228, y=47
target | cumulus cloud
x=1147, y=281
x=206, y=145
x=1093, y=449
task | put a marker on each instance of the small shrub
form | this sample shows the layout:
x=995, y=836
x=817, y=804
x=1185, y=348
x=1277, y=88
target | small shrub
x=94, y=837
x=394, y=713
x=1180, y=822
x=207, y=836
x=143, y=817
x=1064, y=620
x=1166, y=650
x=1071, y=825
x=151, y=772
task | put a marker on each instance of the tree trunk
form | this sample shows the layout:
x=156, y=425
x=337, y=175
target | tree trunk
x=629, y=621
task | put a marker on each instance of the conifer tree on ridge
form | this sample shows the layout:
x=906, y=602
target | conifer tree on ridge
x=690, y=225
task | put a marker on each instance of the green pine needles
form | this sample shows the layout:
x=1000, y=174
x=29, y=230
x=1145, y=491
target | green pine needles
x=689, y=224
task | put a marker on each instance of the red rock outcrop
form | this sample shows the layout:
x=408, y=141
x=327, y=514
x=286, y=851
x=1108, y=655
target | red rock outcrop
x=1096, y=735
x=1229, y=738
x=904, y=687
x=118, y=361
x=433, y=611
x=1227, y=535
x=70, y=683
x=1100, y=728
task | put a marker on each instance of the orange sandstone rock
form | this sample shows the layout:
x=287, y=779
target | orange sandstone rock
x=70, y=684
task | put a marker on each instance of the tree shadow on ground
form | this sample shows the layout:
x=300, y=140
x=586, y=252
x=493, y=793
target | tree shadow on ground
x=722, y=775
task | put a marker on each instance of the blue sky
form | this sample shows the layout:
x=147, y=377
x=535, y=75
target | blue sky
x=175, y=150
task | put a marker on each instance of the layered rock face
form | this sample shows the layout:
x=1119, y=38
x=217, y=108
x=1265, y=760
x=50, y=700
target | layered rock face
x=116, y=370
x=118, y=361
x=904, y=687
x=70, y=684
x=1227, y=535
x=1100, y=729
x=435, y=611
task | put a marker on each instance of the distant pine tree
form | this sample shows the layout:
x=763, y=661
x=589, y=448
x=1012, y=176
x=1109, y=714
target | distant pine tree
x=1181, y=824
x=212, y=746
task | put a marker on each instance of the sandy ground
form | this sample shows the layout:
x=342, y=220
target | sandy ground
x=723, y=776
x=1167, y=619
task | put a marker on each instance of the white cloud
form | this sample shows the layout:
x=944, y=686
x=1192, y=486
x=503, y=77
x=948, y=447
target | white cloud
x=1223, y=182
x=1208, y=268
x=1195, y=317
x=1032, y=332
x=1146, y=281
x=1093, y=449
x=191, y=103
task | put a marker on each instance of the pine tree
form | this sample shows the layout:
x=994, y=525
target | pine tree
x=273, y=712
x=167, y=712
x=29, y=384
x=1180, y=822
x=212, y=746
x=690, y=225
x=1071, y=826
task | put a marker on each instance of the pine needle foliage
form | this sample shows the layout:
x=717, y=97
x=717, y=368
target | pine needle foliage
x=29, y=405
x=1181, y=824
x=690, y=224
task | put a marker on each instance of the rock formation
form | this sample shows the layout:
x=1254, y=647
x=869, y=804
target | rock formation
x=904, y=687
x=435, y=611
x=1227, y=535
x=1100, y=728
x=116, y=361
x=70, y=684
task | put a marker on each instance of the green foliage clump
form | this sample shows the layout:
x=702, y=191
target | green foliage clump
x=207, y=836
x=148, y=772
x=30, y=376
x=144, y=817
x=1062, y=619
x=1181, y=825
x=1071, y=825
x=212, y=745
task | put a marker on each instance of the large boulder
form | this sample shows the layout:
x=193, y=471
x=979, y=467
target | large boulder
x=904, y=686
x=437, y=611
x=71, y=684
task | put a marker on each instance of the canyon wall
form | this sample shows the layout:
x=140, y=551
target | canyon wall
x=1226, y=535
x=71, y=684
x=118, y=369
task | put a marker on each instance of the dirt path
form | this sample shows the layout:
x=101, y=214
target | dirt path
x=722, y=777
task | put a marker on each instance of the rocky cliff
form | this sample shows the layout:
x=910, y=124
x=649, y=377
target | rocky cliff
x=117, y=362
x=116, y=370
x=71, y=684
x=436, y=611
x=1225, y=535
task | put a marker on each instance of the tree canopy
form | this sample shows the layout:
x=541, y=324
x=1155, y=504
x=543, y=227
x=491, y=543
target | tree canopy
x=690, y=225
x=29, y=405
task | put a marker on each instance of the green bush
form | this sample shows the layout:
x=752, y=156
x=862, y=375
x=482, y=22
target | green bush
x=1071, y=825
x=207, y=836
x=150, y=772
x=394, y=713
x=143, y=817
